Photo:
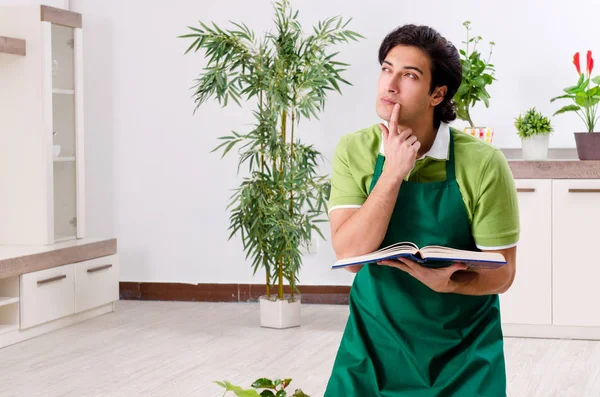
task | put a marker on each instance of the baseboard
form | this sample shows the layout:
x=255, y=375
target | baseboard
x=312, y=294
x=550, y=332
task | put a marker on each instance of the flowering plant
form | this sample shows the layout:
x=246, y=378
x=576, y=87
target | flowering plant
x=585, y=95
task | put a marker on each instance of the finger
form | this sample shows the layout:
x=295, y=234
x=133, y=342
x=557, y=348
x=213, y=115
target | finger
x=397, y=265
x=411, y=139
x=405, y=134
x=394, y=119
x=384, y=132
x=416, y=146
x=458, y=266
x=411, y=264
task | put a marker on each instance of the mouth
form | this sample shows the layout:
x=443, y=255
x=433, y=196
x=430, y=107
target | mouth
x=387, y=101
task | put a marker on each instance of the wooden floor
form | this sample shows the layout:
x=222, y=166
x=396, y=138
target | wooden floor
x=177, y=349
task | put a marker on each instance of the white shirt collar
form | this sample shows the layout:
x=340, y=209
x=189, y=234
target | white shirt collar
x=441, y=144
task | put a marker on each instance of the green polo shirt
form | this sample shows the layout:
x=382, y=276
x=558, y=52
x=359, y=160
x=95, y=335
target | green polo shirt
x=482, y=173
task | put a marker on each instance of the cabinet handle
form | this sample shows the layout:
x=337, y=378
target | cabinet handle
x=525, y=189
x=584, y=190
x=97, y=269
x=50, y=280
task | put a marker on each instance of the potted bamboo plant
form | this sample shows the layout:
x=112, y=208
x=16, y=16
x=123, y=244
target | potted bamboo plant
x=586, y=95
x=478, y=74
x=534, y=129
x=280, y=202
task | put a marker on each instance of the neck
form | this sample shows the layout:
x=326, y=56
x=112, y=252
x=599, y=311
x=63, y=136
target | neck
x=425, y=133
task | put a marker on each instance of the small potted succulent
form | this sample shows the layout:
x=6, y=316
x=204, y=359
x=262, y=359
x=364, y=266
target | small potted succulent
x=534, y=129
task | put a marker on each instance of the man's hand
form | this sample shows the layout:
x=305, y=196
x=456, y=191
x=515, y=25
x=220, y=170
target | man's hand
x=439, y=280
x=400, y=147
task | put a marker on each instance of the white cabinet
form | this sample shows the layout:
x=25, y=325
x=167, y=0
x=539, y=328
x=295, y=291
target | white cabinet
x=529, y=300
x=50, y=294
x=555, y=293
x=576, y=263
x=96, y=282
x=47, y=295
x=41, y=128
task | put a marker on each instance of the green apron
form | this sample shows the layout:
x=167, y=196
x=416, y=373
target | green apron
x=402, y=339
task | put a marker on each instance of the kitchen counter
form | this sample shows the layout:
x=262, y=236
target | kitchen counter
x=555, y=169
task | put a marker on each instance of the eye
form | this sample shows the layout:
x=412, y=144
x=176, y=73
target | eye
x=411, y=75
x=385, y=69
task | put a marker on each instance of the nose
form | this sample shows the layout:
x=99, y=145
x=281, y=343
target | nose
x=392, y=86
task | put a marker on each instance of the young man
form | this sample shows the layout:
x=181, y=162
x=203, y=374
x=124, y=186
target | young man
x=413, y=331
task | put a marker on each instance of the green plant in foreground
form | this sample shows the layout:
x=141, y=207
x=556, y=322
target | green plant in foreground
x=533, y=123
x=278, y=205
x=269, y=388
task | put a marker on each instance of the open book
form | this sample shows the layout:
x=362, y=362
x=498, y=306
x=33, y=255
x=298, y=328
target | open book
x=433, y=256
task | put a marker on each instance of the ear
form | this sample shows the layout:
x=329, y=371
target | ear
x=438, y=95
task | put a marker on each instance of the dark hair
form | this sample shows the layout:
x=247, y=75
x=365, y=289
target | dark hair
x=446, y=68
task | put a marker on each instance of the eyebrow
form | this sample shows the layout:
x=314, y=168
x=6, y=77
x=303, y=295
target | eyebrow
x=406, y=67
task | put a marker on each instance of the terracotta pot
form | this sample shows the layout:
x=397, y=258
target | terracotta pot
x=588, y=145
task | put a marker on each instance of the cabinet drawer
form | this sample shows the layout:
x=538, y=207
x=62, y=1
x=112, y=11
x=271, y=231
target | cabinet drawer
x=96, y=282
x=47, y=295
x=576, y=267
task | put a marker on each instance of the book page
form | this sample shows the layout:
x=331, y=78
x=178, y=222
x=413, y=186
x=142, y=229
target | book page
x=451, y=253
x=385, y=252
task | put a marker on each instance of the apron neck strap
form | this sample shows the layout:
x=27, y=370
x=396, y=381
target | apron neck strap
x=450, y=169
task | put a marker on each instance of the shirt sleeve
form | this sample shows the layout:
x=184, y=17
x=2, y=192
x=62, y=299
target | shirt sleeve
x=496, y=216
x=345, y=190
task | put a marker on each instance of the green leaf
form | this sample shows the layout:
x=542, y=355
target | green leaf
x=573, y=90
x=568, y=108
x=563, y=97
x=267, y=393
x=263, y=383
x=596, y=80
x=582, y=99
x=237, y=390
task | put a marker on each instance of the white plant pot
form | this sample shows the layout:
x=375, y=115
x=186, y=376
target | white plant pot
x=280, y=314
x=535, y=147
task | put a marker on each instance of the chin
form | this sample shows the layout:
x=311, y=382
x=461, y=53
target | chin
x=383, y=113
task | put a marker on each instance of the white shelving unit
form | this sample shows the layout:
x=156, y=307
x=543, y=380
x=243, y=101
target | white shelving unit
x=51, y=276
x=41, y=97
x=9, y=304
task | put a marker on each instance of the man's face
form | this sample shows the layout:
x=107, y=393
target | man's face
x=405, y=78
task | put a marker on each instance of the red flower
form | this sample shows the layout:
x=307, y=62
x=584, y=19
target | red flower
x=590, y=63
x=576, y=63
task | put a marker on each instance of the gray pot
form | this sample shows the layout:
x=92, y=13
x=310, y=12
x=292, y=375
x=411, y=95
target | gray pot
x=588, y=145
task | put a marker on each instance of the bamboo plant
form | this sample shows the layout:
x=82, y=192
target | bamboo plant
x=286, y=75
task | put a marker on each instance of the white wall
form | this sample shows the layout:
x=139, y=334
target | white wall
x=151, y=179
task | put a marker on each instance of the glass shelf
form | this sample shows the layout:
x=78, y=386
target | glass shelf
x=64, y=133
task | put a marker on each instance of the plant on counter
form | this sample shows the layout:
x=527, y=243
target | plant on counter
x=478, y=73
x=533, y=123
x=585, y=95
x=270, y=388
